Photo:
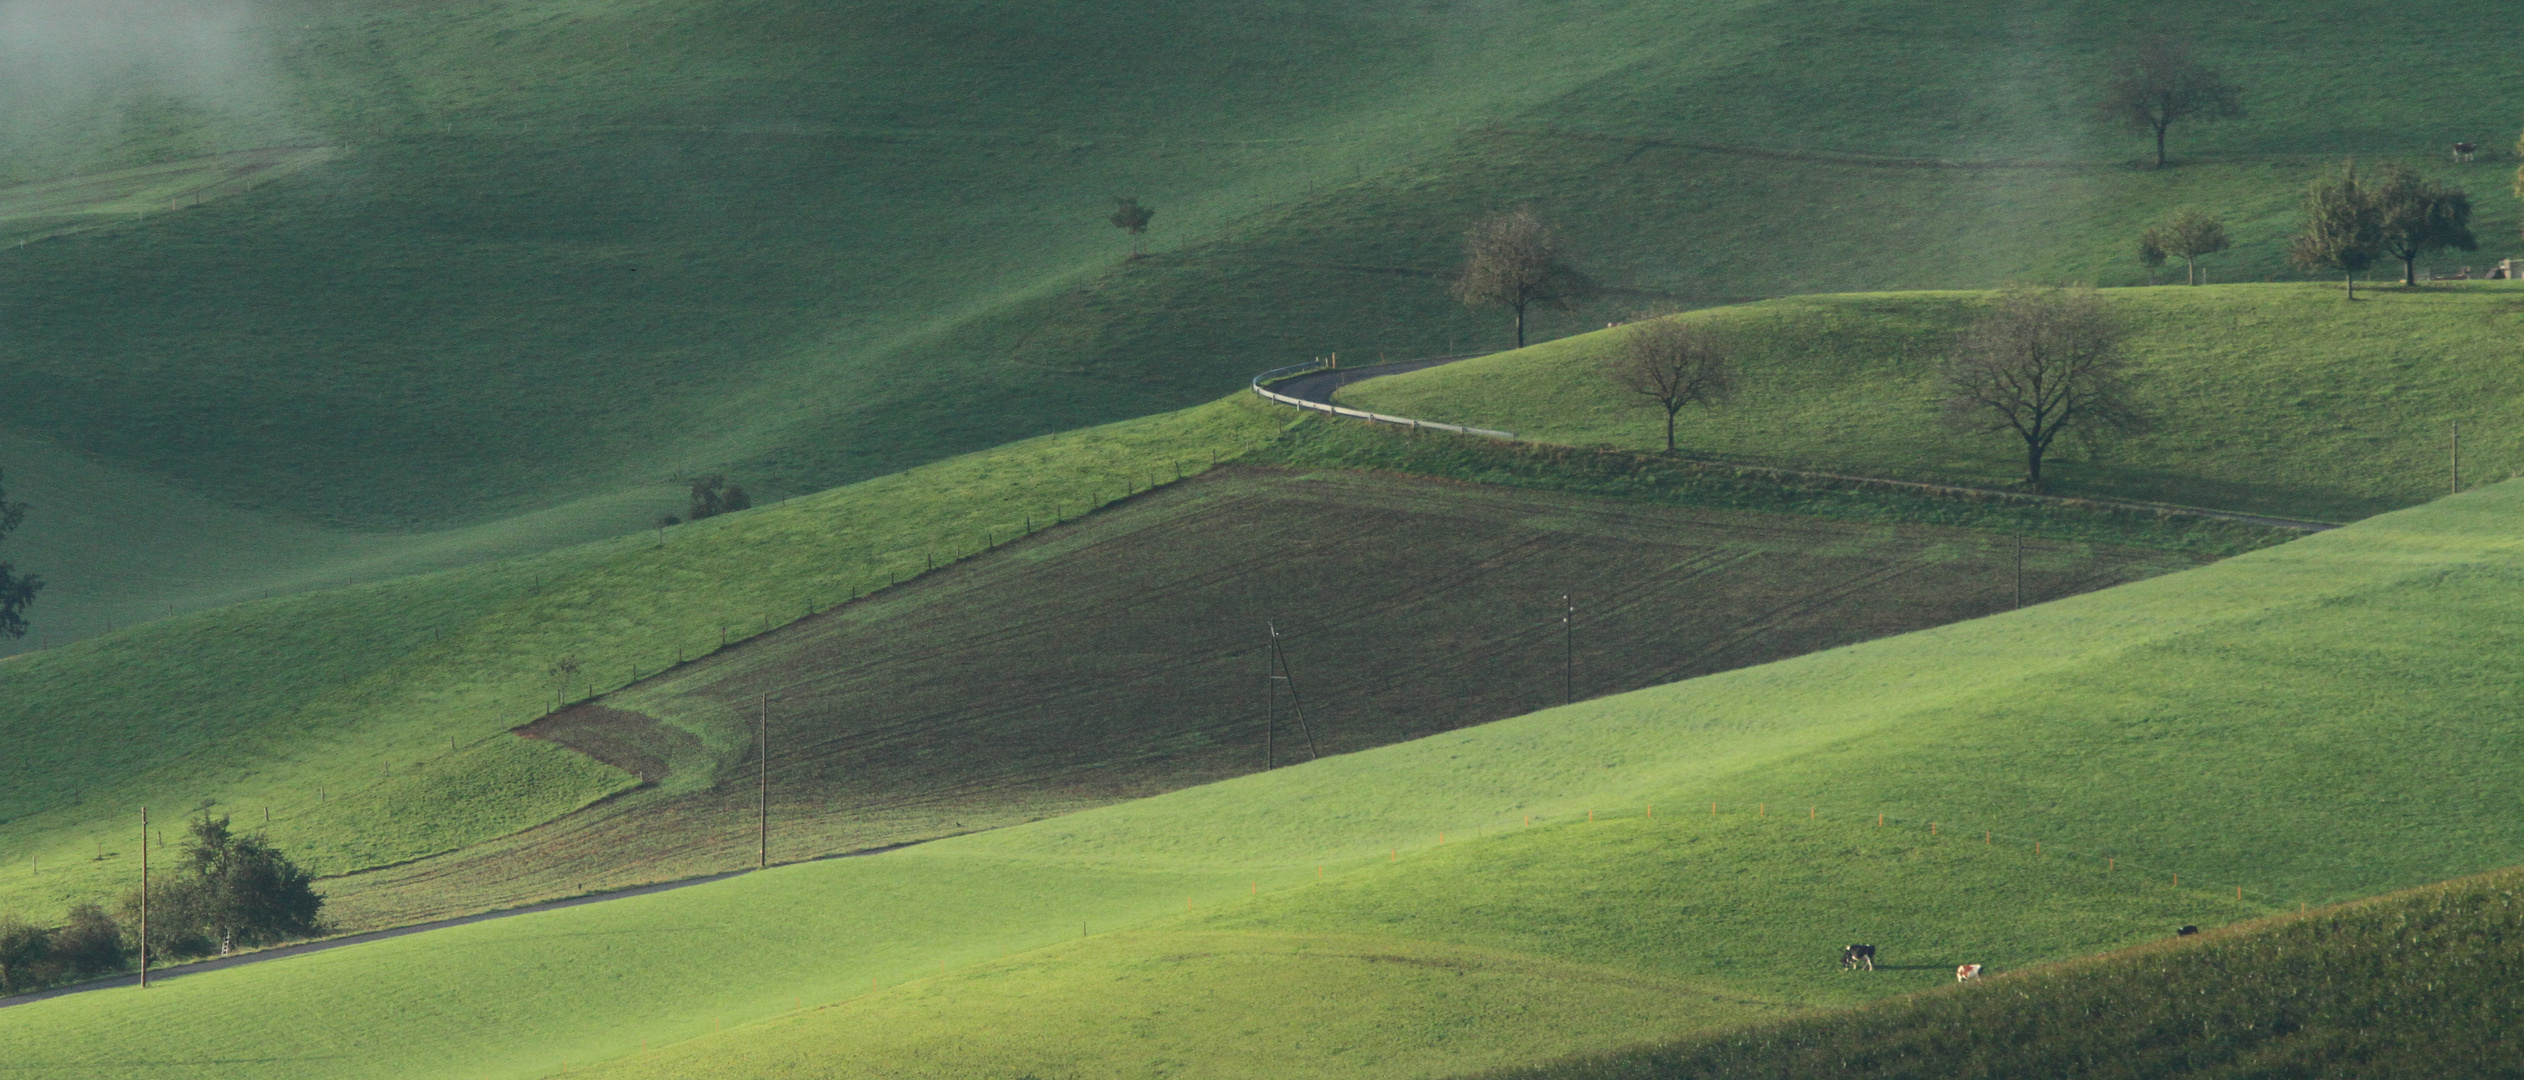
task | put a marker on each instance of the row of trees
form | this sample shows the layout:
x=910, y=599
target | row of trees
x=227, y=890
x=2042, y=363
x=2351, y=223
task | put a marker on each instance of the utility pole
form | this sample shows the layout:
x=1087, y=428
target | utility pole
x=1568, y=648
x=762, y=780
x=1296, y=702
x=144, y=898
x=2020, y=570
x=1271, y=705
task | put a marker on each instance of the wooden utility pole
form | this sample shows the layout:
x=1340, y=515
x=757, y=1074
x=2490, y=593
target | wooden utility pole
x=1296, y=702
x=762, y=780
x=1568, y=649
x=1271, y=706
x=2454, y=462
x=144, y=898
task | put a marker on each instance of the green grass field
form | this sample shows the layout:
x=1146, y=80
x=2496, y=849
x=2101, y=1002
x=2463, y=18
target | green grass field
x=575, y=249
x=1123, y=655
x=2407, y=985
x=2315, y=721
x=2280, y=399
x=373, y=721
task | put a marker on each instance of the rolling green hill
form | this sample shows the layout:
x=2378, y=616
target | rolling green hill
x=373, y=722
x=1123, y=655
x=2279, y=399
x=573, y=250
x=2315, y=721
x=2407, y=985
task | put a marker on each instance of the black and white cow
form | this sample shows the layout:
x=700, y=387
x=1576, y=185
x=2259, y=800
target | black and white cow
x=1857, y=956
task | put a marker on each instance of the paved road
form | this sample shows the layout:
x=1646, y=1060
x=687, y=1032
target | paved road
x=1319, y=386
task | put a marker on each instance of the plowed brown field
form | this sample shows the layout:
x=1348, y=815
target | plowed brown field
x=1127, y=654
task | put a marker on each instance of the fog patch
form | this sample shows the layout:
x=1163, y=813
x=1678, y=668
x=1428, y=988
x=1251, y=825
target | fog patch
x=88, y=84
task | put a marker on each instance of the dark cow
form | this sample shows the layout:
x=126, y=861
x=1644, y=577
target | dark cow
x=1857, y=956
x=2462, y=151
x=2186, y=931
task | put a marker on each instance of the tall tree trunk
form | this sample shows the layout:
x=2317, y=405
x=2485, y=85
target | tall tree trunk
x=2190, y=270
x=1669, y=429
x=2352, y=288
x=2033, y=464
x=2410, y=271
x=2160, y=145
x=1520, y=326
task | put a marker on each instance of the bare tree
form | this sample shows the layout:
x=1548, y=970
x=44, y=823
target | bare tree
x=2041, y=363
x=2344, y=227
x=2160, y=85
x=1671, y=364
x=17, y=591
x=1515, y=261
x=1132, y=218
x=2416, y=215
x=713, y=495
x=2190, y=233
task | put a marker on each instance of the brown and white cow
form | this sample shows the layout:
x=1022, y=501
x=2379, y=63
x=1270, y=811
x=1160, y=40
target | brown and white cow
x=1967, y=973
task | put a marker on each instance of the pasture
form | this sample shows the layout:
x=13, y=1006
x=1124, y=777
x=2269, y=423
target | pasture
x=2408, y=985
x=1126, y=654
x=372, y=722
x=574, y=252
x=2278, y=399
x=2300, y=724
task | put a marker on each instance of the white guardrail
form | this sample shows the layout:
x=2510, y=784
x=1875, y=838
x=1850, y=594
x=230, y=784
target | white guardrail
x=1404, y=421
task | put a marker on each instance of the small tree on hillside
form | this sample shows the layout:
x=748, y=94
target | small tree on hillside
x=1515, y=261
x=2042, y=363
x=229, y=890
x=24, y=949
x=2160, y=85
x=1132, y=218
x=2189, y=234
x=17, y=591
x=712, y=495
x=1670, y=364
x=91, y=943
x=2416, y=215
x=2344, y=228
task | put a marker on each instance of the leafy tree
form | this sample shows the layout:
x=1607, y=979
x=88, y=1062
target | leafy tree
x=24, y=947
x=2160, y=85
x=2416, y=215
x=91, y=944
x=712, y=495
x=1671, y=364
x=1132, y=218
x=2041, y=363
x=229, y=890
x=2344, y=228
x=17, y=590
x=1515, y=261
x=2190, y=233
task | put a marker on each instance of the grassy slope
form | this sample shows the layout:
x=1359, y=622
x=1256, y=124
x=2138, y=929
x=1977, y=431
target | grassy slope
x=2411, y=985
x=341, y=711
x=2274, y=398
x=639, y=203
x=2270, y=722
x=1116, y=658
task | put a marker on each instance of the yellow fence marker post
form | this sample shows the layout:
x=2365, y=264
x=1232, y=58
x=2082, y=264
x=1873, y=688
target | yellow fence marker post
x=1651, y=810
x=1809, y=812
x=1441, y=838
x=1988, y=837
x=1879, y=821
